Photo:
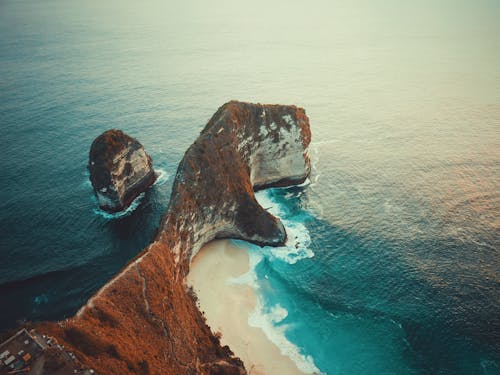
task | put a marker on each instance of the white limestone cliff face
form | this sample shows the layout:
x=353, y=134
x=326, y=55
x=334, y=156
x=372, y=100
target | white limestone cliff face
x=120, y=170
x=279, y=153
x=243, y=147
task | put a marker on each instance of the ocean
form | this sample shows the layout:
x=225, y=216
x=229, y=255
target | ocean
x=392, y=265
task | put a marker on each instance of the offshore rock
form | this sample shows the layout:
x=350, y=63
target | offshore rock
x=120, y=170
x=145, y=320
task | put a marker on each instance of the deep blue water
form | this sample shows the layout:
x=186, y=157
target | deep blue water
x=396, y=268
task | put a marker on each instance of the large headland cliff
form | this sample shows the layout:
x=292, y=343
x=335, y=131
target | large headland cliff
x=145, y=320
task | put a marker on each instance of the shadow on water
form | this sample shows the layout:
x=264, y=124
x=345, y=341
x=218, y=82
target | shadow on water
x=59, y=293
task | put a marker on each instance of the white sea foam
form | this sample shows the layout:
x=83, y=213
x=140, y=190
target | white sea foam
x=296, y=248
x=162, y=177
x=297, y=244
x=298, y=238
x=306, y=182
x=265, y=201
x=87, y=184
x=488, y=365
x=255, y=257
x=117, y=215
x=267, y=318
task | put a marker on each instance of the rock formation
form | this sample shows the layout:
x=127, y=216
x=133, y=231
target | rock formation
x=145, y=320
x=120, y=169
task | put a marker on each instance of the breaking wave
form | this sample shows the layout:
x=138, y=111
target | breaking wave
x=162, y=178
x=270, y=318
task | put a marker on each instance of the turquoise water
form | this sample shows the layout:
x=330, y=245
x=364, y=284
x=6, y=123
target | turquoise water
x=396, y=265
x=353, y=304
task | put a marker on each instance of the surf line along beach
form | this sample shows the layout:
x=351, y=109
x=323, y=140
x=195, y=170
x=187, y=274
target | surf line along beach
x=228, y=307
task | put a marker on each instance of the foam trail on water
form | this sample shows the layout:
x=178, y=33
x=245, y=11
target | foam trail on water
x=297, y=244
x=268, y=318
x=306, y=182
x=298, y=238
x=117, y=215
x=161, y=179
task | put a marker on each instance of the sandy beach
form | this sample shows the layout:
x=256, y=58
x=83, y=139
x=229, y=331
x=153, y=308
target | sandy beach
x=227, y=307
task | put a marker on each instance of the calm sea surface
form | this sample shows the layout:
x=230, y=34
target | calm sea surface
x=394, y=262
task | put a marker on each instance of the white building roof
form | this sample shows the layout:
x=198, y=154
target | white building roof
x=9, y=360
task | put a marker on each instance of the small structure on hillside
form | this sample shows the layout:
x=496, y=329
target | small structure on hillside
x=34, y=354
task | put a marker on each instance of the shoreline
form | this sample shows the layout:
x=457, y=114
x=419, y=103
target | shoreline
x=227, y=307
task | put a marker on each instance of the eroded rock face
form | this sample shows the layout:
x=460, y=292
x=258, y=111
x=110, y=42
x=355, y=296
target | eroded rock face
x=244, y=147
x=145, y=320
x=120, y=169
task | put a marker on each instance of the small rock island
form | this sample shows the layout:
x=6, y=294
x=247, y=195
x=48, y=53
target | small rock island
x=145, y=320
x=120, y=170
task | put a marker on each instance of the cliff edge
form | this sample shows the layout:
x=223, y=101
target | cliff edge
x=145, y=320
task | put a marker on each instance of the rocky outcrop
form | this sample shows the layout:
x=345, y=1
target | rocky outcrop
x=145, y=320
x=120, y=170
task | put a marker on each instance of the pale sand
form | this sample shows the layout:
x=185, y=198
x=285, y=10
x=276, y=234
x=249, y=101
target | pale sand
x=227, y=306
